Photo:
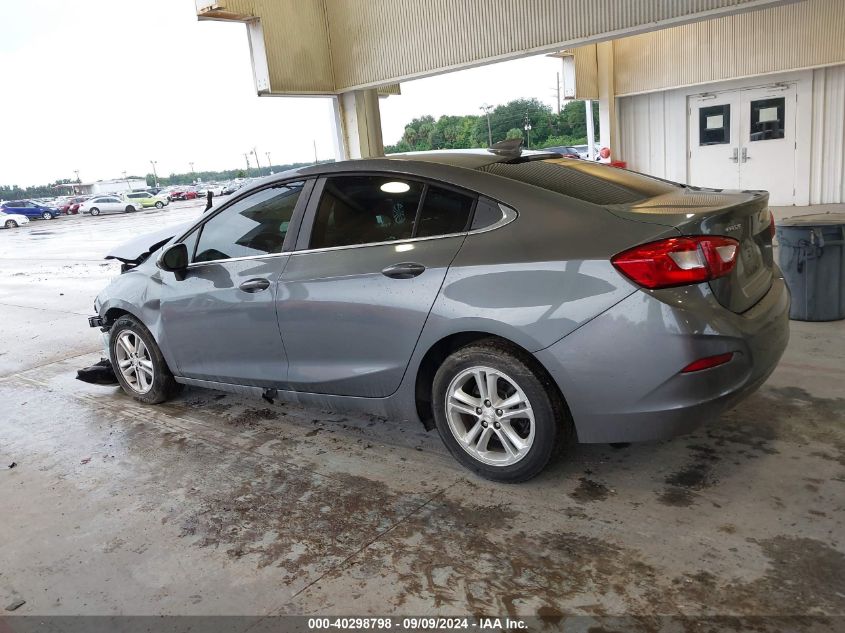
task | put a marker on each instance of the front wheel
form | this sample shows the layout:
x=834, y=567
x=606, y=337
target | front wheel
x=497, y=412
x=159, y=205
x=11, y=224
x=46, y=216
x=139, y=366
x=129, y=209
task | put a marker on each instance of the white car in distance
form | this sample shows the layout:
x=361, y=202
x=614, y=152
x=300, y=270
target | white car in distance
x=108, y=204
x=12, y=220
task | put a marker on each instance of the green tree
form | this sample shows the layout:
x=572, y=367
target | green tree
x=514, y=132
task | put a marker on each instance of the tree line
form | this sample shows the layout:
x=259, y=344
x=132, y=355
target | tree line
x=51, y=190
x=507, y=121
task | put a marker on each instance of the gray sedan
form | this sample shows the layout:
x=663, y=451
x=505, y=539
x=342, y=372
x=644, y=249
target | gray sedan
x=513, y=300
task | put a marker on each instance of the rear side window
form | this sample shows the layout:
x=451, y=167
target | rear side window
x=365, y=209
x=597, y=184
x=443, y=212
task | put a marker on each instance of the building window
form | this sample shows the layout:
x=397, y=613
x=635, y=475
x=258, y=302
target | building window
x=714, y=125
x=767, y=119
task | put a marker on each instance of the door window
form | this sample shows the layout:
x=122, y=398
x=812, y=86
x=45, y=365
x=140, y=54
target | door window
x=256, y=225
x=364, y=210
x=714, y=125
x=767, y=119
x=443, y=212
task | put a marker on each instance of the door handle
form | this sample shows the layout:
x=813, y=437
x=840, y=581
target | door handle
x=405, y=270
x=735, y=155
x=255, y=285
x=745, y=154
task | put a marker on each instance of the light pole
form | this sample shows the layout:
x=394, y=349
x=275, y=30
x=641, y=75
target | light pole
x=269, y=164
x=257, y=162
x=155, y=175
x=246, y=158
x=127, y=180
x=193, y=176
x=486, y=108
x=76, y=171
x=527, y=128
x=316, y=160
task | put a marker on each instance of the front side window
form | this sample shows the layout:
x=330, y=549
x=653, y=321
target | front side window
x=364, y=210
x=256, y=225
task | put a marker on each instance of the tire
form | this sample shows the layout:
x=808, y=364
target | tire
x=129, y=209
x=514, y=371
x=46, y=216
x=11, y=224
x=149, y=389
x=159, y=205
x=95, y=211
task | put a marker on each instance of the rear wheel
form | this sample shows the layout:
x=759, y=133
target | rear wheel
x=46, y=216
x=497, y=412
x=139, y=366
x=11, y=224
x=129, y=209
x=95, y=211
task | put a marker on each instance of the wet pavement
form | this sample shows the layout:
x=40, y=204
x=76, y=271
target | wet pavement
x=216, y=504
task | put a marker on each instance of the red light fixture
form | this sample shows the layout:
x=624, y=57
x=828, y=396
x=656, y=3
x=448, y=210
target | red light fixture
x=678, y=261
x=708, y=362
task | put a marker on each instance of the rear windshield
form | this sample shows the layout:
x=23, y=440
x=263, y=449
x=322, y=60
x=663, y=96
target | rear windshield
x=590, y=182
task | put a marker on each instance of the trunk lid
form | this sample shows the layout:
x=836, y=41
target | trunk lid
x=741, y=215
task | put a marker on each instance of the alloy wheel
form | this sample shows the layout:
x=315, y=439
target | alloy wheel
x=490, y=416
x=134, y=361
x=10, y=224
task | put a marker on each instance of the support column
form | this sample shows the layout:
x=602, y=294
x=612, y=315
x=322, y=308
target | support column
x=608, y=129
x=357, y=122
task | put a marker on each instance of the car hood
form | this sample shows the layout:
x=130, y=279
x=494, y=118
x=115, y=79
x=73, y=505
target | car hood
x=137, y=250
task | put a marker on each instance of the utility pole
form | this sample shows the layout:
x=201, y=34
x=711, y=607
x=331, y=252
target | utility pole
x=192, y=171
x=246, y=157
x=269, y=164
x=257, y=162
x=155, y=175
x=527, y=128
x=486, y=108
x=315, y=152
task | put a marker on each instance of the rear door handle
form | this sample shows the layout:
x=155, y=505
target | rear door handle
x=405, y=270
x=255, y=285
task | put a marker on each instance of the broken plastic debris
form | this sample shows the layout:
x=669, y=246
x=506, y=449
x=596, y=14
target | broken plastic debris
x=17, y=604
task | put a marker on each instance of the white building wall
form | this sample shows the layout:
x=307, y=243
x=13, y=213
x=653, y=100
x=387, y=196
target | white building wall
x=653, y=131
x=827, y=161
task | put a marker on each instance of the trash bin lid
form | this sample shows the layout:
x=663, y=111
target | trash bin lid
x=815, y=219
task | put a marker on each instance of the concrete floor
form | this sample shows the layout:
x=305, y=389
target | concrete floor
x=214, y=504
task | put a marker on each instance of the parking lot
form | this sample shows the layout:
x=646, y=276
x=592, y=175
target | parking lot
x=217, y=504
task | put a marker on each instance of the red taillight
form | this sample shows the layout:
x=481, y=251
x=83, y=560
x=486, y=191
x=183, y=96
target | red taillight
x=678, y=261
x=708, y=362
x=772, y=230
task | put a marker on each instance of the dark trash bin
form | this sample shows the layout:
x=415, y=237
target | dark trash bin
x=812, y=257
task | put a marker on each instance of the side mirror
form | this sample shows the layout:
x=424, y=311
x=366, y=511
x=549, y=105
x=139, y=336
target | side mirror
x=174, y=259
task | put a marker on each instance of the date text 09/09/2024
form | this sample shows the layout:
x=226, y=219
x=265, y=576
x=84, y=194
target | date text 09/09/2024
x=417, y=624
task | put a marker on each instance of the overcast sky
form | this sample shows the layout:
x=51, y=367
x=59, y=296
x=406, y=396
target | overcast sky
x=104, y=86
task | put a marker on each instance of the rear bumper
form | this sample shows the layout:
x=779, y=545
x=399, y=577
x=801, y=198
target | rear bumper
x=620, y=373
